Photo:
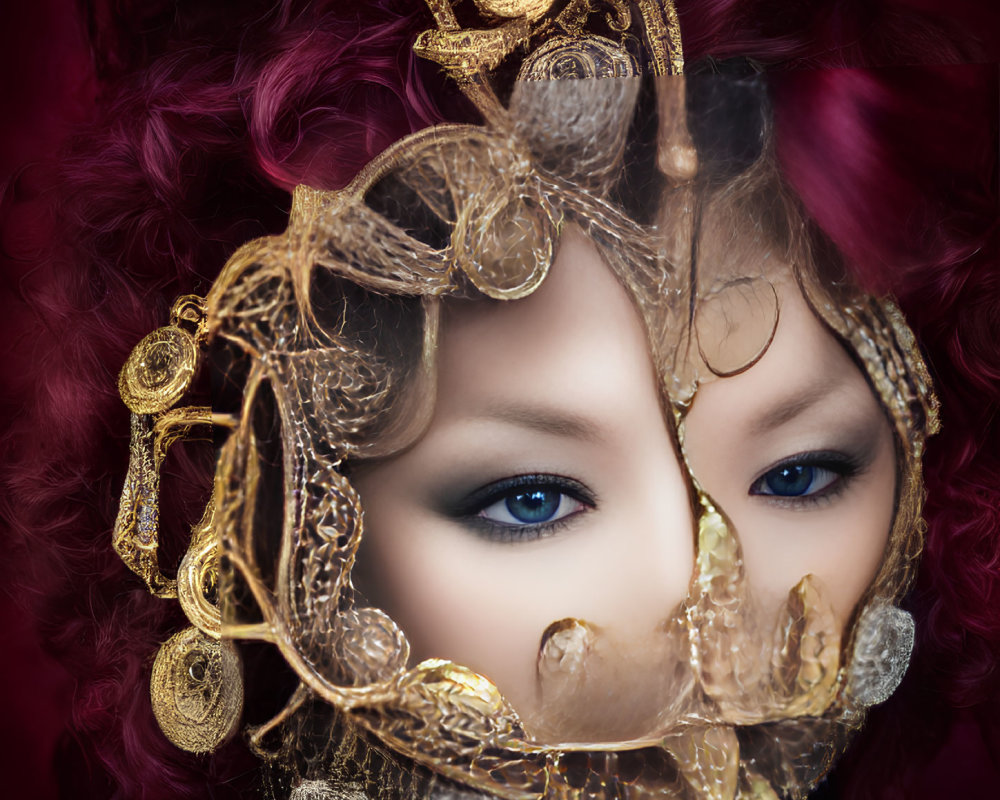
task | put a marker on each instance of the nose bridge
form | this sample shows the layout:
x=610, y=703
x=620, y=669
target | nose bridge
x=631, y=668
x=656, y=543
x=624, y=676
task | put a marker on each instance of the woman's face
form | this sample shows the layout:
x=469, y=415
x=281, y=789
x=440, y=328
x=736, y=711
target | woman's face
x=548, y=486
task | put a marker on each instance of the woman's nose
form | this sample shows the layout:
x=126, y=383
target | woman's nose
x=651, y=566
x=620, y=672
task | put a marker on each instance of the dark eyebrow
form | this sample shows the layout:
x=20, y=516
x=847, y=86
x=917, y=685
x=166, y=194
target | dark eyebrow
x=556, y=422
x=790, y=407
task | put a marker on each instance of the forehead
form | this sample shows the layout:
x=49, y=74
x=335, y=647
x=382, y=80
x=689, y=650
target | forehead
x=804, y=365
x=579, y=325
x=578, y=340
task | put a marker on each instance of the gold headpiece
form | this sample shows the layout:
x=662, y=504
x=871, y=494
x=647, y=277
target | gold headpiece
x=468, y=210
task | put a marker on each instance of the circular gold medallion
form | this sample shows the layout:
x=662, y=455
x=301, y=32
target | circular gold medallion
x=159, y=370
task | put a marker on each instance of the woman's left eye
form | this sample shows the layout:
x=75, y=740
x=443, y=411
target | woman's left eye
x=807, y=477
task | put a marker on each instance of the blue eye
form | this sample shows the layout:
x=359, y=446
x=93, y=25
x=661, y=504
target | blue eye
x=531, y=507
x=535, y=506
x=807, y=476
x=795, y=480
x=524, y=507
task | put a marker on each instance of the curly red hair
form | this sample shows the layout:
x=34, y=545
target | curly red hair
x=191, y=122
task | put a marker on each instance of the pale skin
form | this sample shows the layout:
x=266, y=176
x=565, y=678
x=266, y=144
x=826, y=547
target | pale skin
x=548, y=484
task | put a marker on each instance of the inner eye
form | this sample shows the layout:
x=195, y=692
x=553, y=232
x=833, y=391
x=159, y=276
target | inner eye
x=531, y=506
x=795, y=480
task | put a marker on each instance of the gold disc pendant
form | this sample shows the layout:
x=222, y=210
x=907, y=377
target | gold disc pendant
x=159, y=370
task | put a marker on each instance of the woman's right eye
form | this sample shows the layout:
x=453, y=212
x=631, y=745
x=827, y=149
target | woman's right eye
x=531, y=507
x=524, y=507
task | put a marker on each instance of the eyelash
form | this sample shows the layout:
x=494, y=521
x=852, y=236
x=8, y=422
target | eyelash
x=843, y=466
x=470, y=509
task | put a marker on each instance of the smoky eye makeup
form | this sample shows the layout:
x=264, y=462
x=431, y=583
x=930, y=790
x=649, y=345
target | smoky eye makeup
x=809, y=479
x=522, y=508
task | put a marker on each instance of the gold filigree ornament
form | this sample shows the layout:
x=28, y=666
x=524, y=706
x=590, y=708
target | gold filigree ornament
x=196, y=686
x=531, y=9
x=747, y=705
x=159, y=370
x=197, y=690
x=577, y=57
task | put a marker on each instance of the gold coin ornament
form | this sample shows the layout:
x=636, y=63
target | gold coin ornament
x=197, y=690
x=158, y=371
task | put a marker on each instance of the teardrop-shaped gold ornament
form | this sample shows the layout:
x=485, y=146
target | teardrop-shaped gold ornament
x=197, y=690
